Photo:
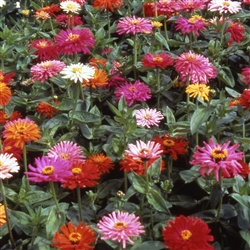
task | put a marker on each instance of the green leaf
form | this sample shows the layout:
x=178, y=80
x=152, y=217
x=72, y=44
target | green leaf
x=245, y=234
x=189, y=175
x=55, y=220
x=225, y=75
x=138, y=182
x=149, y=245
x=169, y=115
x=21, y=220
x=244, y=200
x=114, y=109
x=159, y=37
x=105, y=188
x=86, y=117
x=33, y=197
x=232, y=92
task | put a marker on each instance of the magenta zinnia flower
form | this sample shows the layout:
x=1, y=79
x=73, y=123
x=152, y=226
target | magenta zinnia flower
x=161, y=60
x=246, y=75
x=120, y=227
x=190, y=5
x=134, y=25
x=148, y=117
x=194, y=67
x=224, y=6
x=132, y=92
x=49, y=169
x=75, y=41
x=144, y=151
x=44, y=70
x=215, y=157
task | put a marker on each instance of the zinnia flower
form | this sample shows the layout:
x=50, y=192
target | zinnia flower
x=244, y=99
x=44, y=70
x=165, y=7
x=194, y=67
x=133, y=92
x=236, y=29
x=186, y=233
x=161, y=60
x=46, y=109
x=245, y=169
x=2, y=3
x=42, y=15
x=190, y=5
x=107, y=4
x=144, y=151
x=80, y=237
x=8, y=165
x=148, y=117
x=69, y=21
x=97, y=61
x=246, y=75
x=134, y=25
x=49, y=169
x=6, y=78
x=78, y=72
x=224, y=6
x=120, y=227
x=2, y=215
x=5, y=94
x=100, y=79
x=14, y=151
x=198, y=90
x=75, y=41
x=20, y=131
x=4, y=118
x=50, y=9
x=70, y=7
x=217, y=157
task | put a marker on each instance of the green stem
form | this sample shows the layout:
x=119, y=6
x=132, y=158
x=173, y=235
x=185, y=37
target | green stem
x=52, y=188
x=125, y=182
x=6, y=213
x=169, y=167
x=135, y=56
x=165, y=28
x=76, y=100
x=79, y=200
x=26, y=167
x=220, y=204
x=158, y=87
x=146, y=173
x=108, y=24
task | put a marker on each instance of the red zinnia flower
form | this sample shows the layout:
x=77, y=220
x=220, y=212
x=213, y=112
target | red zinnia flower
x=245, y=98
x=10, y=149
x=50, y=9
x=245, y=170
x=5, y=94
x=166, y=7
x=47, y=110
x=161, y=60
x=107, y=4
x=186, y=233
x=69, y=21
x=246, y=75
x=237, y=32
x=5, y=118
x=149, y=9
x=6, y=78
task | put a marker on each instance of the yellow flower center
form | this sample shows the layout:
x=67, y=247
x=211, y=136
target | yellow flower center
x=144, y=151
x=195, y=18
x=157, y=59
x=1, y=163
x=25, y=12
x=21, y=130
x=5, y=117
x=120, y=225
x=201, y=89
x=132, y=89
x=64, y=156
x=72, y=37
x=75, y=237
x=76, y=69
x=47, y=64
x=168, y=143
x=47, y=170
x=219, y=154
x=42, y=44
x=186, y=234
x=134, y=22
x=226, y=3
x=76, y=171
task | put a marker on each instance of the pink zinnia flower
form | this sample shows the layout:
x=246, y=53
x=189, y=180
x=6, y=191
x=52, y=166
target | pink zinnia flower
x=194, y=67
x=49, y=169
x=120, y=227
x=215, y=157
x=144, y=151
x=148, y=117
x=160, y=60
x=236, y=29
x=44, y=70
x=224, y=6
x=134, y=25
x=69, y=21
x=193, y=24
x=67, y=151
x=75, y=41
x=190, y=5
x=166, y=7
x=133, y=92
x=115, y=79
x=246, y=75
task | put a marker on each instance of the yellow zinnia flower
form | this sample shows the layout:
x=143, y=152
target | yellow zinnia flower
x=198, y=90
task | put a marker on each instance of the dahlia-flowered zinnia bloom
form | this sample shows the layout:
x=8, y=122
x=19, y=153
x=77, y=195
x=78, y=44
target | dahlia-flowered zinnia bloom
x=8, y=165
x=78, y=72
x=42, y=15
x=193, y=24
x=6, y=78
x=75, y=41
x=144, y=151
x=10, y=149
x=148, y=8
x=2, y=215
x=70, y=7
x=190, y=5
x=148, y=117
x=134, y=25
x=49, y=169
x=97, y=62
x=47, y=110
x=245, y=169
x=50, y=9
x=159, y=60
x=69, y=21
x=120, y=226
x=45, y=70
x=5, y=94
x=244, y=98
x=236, y=30
x=4, y=118
x=215, y=157
x=194, y=67
x=186, y=233
x=132, y=92
x=67, y=151
x=198, y=90
x=246, y=75
x=224, y=6
x=172, y=146
x=100, y=79
x=165, y=7
x=21, y=131
x=81, y=2
x=107, y=4
x=80, y=237
x=84, y=174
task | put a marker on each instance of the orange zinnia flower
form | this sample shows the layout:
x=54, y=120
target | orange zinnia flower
x=104, y=163
x=2, y=215
x=97, y=61
x=5, y=118
x=100, y=79
x=46, y=109
x=20, y=131
x=107, y=4
x=5, y=94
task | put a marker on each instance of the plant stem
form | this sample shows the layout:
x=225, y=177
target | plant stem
x=158, y=87
x=169, y=167
x=26, y=168
x=76, y=100
x=146, y=173
x=135, y=56
x=108, y=24
x=79, y=200
x=52, y=188
x=220, y=204
x=125, y=182
x=165, y=28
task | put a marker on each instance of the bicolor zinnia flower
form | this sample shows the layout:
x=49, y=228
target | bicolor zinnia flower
x=2, y=215
x=236, y=29
x=73, y=237
x=194, y=67
x=45, y=70
x=132, y=92
x=148, y=117
x=75, y=41
x=215, y=157
x=191, y=5
x=245, y=72
x=120, y=226
x=6, y=78
x=78, y=72
x=193, y=24
x=172, y=146
x=198, y=90
x=99, y=79
x=69, y=21
x=107, y=4
x=160, y=60
x=8, y=165
x=21, y=131
x=70, y=7
x=187, y=233
x=4, y=118
x=48, y=169
x=67, y=151
x=47, y=110
x=5, y=94
x=144, y=151
x=134, y=25
x=224, y=6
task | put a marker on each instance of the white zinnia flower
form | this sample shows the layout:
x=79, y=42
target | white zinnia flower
x=224, y=6
x=8, y=164
x=2, y=3
x=78, y=72
x=70, y=7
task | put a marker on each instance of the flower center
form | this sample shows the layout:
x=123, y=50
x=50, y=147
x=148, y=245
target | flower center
x=64, y=156
x=75, y=237
x=1, y=163
x=201, y=89
x=219, y=154
x=72, y=37
x=144, y=151
x=186, y=234
x=46, y=64
x=42, y=44
x=147, y=116
x=76, y=171
x=76, y=69
x=194, y=19
x=21, y=130
x=5, y=117
x=47, y=170
x=134, y=22
x=226, y=3
x=120, y=225
x=168, y=143
x=132, y=89
x=157, y=59
x=71, y=6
